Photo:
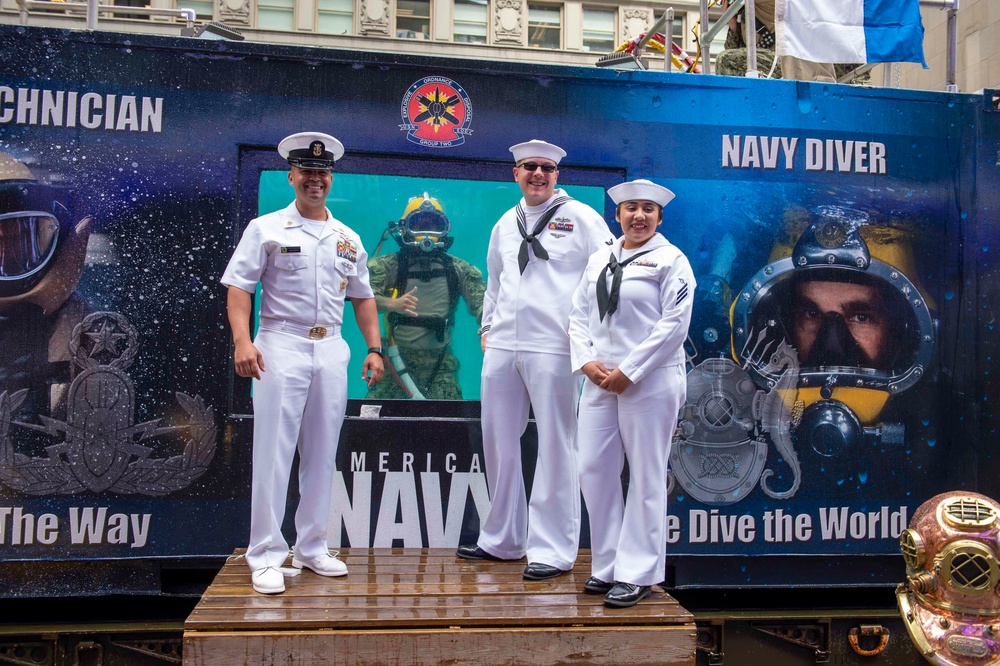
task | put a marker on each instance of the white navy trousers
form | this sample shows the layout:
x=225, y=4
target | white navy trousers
x=547, y=529
x=628, y=538
x=299, y=402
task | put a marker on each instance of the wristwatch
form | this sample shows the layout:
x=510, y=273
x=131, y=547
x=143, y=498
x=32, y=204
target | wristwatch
x=375, y=350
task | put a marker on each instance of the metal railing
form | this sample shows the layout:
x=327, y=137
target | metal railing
x=92, y=9
x=951, y=64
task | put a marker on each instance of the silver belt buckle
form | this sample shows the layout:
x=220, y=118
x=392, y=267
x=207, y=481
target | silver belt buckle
x=317, y=332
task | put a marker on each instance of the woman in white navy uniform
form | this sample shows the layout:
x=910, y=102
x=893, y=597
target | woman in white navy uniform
x=627, y=327
x=308, y=263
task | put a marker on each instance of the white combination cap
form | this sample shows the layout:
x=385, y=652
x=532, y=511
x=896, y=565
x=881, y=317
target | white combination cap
x=311, y=150
x=537, y=148
x=640, y=190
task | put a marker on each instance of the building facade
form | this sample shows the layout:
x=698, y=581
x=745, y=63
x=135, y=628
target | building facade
x=978, y=49
x=568, y=32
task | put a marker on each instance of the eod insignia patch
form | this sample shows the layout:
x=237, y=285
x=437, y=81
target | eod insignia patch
x=436, y=113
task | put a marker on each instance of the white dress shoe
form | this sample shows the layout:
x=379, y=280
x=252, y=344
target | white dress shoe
x=268, y=580
x=325, y=565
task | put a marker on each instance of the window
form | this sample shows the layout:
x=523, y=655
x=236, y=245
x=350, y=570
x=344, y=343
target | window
x=544, y=26
x=599, y=30
x=679, y=30
x=202, y=8
x=413, y=19
x=336, y=17
x=275, y=14
x=471, y=21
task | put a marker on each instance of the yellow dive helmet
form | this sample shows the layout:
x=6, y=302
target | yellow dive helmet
x=424, y=225
x=844, y=298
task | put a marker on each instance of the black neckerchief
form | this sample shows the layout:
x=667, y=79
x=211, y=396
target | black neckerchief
x=536, y=245
x=607, y=303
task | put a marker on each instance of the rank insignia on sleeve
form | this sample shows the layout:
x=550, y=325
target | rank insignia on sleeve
x=347, y=250
x=561, y=224
x=682, y=292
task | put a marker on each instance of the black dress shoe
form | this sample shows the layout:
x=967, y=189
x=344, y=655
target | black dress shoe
x=595, y=585
x=475, y=553
x=539, y=571
x=623, y=595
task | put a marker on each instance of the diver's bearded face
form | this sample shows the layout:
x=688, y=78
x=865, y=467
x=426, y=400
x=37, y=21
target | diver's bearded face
x=839, y=324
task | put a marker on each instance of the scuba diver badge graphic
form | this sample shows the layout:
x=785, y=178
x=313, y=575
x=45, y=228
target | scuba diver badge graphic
x=822, y=337
x=436, y=112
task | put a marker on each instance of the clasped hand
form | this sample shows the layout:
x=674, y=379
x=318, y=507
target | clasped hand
x=609, y=380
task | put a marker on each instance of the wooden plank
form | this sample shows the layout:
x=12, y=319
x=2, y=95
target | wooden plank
x=570, y=601
x=402, y=618
x=656, y=604
x=408, y=574
x=660, y=646
x=310, y=584
x=401, y=567
x=422, y=556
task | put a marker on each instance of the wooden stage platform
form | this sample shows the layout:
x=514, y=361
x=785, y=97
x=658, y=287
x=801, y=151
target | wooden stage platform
x=425, y=606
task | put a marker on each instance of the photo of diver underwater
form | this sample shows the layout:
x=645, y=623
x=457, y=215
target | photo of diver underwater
x=813, y=355
x=417, y=291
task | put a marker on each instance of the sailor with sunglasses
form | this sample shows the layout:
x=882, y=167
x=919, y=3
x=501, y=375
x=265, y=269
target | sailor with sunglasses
x=537, y=253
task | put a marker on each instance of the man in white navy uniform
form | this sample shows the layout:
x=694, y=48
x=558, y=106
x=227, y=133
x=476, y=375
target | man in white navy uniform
x=308, y=263
x=537, y=253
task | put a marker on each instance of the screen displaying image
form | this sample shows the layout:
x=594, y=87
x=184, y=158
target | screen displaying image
x=431, y=235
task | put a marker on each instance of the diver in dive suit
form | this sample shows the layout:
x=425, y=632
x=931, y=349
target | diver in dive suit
x=418, y=289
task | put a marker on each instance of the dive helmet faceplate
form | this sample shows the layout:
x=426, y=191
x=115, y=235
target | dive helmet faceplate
x=424, y=226
x=34, y=227
x=839, y=246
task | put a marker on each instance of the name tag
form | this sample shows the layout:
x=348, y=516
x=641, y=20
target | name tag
x=288, y=249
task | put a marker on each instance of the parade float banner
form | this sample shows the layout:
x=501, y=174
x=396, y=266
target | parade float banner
x=840, y=355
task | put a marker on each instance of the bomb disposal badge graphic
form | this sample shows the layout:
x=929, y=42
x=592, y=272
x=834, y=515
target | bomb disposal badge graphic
x=436, y=113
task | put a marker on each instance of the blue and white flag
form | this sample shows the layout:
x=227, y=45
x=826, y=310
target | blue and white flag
x=850, y=31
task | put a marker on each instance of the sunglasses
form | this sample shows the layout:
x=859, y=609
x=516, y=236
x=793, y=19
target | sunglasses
x=532, y=166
